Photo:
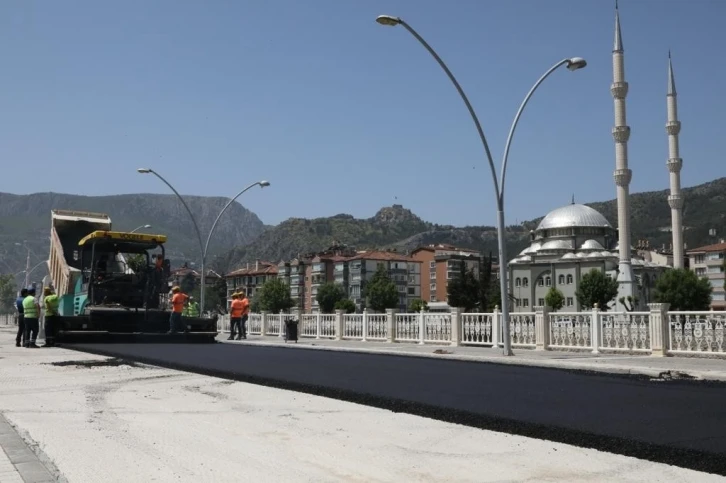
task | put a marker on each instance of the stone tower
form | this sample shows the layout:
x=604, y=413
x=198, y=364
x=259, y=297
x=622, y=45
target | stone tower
x=675, y=200
x=622, y=174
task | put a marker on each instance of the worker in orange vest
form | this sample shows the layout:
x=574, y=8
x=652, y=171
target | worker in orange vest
x=177, y=307
x=236, y=310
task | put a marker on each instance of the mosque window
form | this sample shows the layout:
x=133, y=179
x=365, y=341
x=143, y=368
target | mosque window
x=561, y=279
x=525, y=282
x=540, y=282
x=548, y=281
x=570, y=302
x=569, y=279
x=518, y=282
x=540, y=302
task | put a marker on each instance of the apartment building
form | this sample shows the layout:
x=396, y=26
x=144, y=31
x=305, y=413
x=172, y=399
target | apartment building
x=440, y=264
x=250, y=278
x=176, y=276
x=708, y=261
x=403, y=270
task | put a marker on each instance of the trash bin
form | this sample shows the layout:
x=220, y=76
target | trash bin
x=291, y=330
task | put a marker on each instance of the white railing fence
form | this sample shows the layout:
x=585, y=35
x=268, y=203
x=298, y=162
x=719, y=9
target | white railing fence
x=656, y=332
x=8, y=319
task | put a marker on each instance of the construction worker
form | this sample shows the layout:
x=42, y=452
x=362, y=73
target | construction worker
x=235, y=315
x=21, y=319
x=177, y=306
x=51, y=315
x=245, y=315
x=192, y=308
x=31, y=313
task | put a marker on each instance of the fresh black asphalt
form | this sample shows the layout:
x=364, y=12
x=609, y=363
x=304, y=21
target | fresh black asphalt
x=678, y=422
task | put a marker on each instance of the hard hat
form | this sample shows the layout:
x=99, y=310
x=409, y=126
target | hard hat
x=175, y=289
x=47, y=290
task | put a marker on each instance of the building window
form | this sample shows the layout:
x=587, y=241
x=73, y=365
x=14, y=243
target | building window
x=570, y=302
x=525, y=302
x=569, y=279
x=432, y=298
x=548, y=281
x=561, y=280
x=518, y=282
x=699, y=258
x=540, y=282
x=525, y=282
x=432, y=264
x=540, y=302
x=432, y=286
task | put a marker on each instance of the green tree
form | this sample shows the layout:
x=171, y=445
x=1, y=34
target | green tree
x=136, y=262
x=596, y=288
x=329, y=294
x=8, y=294
x=485, y=282
x=554, y=299
x=219, y=288
x=380, y=292
x=683, y=290
x=346, y=304
x=255, y=306
x=464, y=290
x=494, y=296
x=274, y=296
x=629, y=302
x=417, y=305
x=188, y=283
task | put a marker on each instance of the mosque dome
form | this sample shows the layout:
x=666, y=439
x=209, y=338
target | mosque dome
x=592, y=245
x=573, y=215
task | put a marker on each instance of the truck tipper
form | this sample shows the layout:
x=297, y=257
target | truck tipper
x=113, y=285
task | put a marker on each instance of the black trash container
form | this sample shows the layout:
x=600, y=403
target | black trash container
x=291, y=329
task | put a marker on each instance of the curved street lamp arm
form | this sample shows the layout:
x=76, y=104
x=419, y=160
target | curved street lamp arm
x=466, y=101
x=514, y=126
x=214, y=225
x=194, y=221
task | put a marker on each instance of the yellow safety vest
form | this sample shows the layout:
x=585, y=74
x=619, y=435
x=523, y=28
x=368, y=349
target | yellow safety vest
x=29, y=309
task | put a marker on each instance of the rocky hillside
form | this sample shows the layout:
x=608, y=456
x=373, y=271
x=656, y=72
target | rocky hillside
x=27, y=217
x=397, y=227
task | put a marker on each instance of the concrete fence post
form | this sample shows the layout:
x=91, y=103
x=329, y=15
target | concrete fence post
x=365, y=325
x=282, y=325
x=542, y=327
x=596, y=329
x=456, y=325
x=659, y=329
x=318, y=324
x=421, y=327
x=496, y=324
x=263, y=324
x=339, y=324
x=391, y=322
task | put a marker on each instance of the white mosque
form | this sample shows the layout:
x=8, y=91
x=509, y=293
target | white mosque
x=574, y=239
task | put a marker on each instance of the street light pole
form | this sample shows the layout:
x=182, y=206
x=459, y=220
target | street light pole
x=27, y=263
x=140, y=227
x=202, y=247
x=573, y=64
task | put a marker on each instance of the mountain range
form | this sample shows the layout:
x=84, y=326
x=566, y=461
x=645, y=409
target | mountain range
x=398, y=228
x=242, y=237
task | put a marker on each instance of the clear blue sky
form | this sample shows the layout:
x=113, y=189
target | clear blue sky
x=341, y=114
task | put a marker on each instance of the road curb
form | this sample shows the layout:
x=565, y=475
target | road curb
x=655, y=373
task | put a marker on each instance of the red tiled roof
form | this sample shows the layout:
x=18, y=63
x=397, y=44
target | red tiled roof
x=718, y=247
x=443, y=246
x=379, y=255
x=264, y=268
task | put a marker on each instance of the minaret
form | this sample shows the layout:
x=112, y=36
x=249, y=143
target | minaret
x=675, y=200
x=622, y=175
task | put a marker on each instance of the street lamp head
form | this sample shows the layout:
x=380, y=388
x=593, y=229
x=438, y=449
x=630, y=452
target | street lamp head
x=576, y=63
x=144, y=170
x=388, y=20
x=264, y=183
x=147, y=226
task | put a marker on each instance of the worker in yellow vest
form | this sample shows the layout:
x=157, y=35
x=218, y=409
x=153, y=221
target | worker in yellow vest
x=51, y=303
x=31, y=313
x=192, y=308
